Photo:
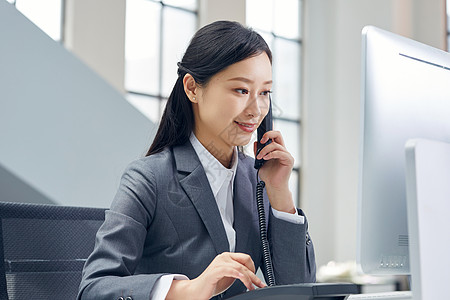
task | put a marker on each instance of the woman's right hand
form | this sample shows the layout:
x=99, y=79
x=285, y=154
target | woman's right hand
x=217, y=278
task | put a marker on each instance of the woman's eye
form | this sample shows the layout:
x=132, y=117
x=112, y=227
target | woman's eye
x=242, y=91
x=266, y=93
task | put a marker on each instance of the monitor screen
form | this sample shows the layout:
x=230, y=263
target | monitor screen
x=405, y=94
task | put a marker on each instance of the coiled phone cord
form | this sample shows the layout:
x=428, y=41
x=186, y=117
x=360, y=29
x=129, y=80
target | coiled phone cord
x=267, y=260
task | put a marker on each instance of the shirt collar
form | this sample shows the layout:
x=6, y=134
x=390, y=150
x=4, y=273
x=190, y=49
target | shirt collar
x=216, y=173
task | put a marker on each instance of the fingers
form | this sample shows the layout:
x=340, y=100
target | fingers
x=244, y=259
x=241, y=266
x=221, y=274
x=248, y=278
x=274, y=135
x=274, y=150
x=277, y=144
x=269, y=148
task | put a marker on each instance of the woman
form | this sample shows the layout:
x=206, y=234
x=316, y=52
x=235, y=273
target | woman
x=184, y=224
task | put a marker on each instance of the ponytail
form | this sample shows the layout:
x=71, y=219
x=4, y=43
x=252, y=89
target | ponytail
x=177, y=120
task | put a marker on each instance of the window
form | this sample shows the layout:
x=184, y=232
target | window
x=448, y=25
x=156, y=36
x=46, y=14
x=279, y=23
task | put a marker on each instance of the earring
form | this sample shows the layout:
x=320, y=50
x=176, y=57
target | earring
x=193, y=98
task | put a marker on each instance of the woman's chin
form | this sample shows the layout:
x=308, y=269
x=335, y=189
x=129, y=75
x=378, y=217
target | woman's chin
x=242, y=140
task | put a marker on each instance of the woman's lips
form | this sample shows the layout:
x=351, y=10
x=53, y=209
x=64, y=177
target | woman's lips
x=247, y=127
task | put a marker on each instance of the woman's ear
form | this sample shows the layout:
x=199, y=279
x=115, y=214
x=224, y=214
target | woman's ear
x=190, y=87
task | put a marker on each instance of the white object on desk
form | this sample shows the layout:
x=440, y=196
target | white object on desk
x=428, y=204
x=382, y=296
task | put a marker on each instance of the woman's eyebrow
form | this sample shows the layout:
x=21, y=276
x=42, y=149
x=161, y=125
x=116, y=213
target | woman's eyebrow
x=247, y=80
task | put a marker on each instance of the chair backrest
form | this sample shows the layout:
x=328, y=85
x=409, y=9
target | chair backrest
x=43, y=249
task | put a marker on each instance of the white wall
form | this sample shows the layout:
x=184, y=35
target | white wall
x=331, y=104
x=64, y=132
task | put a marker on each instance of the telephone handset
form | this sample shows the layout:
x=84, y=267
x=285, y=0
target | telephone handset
x=266, y=125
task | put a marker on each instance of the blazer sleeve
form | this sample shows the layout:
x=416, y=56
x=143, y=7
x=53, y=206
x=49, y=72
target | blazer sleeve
x=109, y=271
x=292, y=251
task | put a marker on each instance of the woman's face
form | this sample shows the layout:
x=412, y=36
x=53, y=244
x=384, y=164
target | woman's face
x=234, y=102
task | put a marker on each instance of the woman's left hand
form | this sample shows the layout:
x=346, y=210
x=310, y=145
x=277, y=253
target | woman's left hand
x=276, y=171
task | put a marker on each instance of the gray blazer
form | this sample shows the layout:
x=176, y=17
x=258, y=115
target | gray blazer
x=164, y=219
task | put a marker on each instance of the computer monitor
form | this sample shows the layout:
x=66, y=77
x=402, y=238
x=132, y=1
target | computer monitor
x=405, y=94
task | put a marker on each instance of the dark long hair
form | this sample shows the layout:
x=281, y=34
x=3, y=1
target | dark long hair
x=213, y=48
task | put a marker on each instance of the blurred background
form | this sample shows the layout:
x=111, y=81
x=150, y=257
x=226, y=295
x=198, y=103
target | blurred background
x=83, y=84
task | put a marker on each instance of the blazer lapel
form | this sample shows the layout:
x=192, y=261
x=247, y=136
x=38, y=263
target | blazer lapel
x=194, y=182
x=245, y=209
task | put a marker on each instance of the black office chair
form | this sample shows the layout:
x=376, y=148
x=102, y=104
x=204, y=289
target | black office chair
x=43, y=249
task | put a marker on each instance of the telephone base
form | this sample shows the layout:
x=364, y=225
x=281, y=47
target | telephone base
x=303, y=291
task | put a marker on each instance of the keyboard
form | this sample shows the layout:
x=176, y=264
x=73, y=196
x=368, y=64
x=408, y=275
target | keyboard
x=382, y=296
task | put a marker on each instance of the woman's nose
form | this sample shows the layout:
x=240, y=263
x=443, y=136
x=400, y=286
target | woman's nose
x=253, y=107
